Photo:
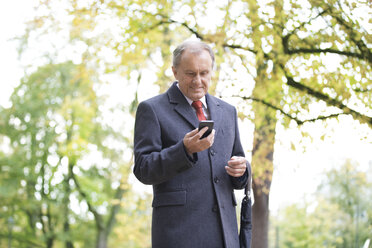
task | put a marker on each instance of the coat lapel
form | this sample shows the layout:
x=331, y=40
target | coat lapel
x=182, y=107
x=214, y=110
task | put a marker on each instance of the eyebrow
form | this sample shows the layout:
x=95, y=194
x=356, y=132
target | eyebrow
x=188, y=71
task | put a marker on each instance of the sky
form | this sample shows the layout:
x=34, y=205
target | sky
x=297, y=172
x=12, y=17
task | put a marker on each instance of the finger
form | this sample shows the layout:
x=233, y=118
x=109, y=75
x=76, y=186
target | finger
x=234, y=172
x=237, y=161
x=192, y=132
x=203, y=130
x=213, y=132
x=209, y=140
x=238, y=158
x=210, y=137
x=237, y=164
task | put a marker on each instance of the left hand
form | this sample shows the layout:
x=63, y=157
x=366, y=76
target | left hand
x=236, y=166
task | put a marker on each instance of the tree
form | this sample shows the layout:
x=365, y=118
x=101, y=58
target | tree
x=297, y=226
x=339, y=215
x=61, y=155
x=280, y=47
x=349, y=188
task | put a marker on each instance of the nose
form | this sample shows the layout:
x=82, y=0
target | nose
x=197, y=79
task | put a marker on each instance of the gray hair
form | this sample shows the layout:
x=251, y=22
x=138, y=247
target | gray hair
x=196, y=46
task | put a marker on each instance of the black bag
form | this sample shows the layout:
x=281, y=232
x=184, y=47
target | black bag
x=245, y=234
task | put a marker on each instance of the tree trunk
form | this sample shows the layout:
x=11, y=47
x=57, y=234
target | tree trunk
x=50, y=242
x=102, y=237
x=66, y=209
x=262, y=167
x=260, y=220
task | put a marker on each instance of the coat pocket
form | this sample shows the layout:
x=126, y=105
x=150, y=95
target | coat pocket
x=174, y=198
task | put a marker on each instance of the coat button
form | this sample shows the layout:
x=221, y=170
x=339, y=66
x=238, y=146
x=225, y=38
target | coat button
x=216, y=180
x=212, y=152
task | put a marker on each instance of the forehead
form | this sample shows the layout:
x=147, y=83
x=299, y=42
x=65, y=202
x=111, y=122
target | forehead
x=196, y=59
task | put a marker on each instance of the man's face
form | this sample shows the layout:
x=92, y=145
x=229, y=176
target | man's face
x=194, y=74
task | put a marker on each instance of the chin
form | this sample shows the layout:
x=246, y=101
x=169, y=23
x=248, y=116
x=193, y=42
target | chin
x=196, y=97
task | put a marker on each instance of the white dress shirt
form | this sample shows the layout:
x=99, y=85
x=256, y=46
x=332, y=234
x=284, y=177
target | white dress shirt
x=204, y=102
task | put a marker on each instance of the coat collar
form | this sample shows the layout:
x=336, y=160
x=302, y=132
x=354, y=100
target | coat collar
x=215, y=111
x=183, y=108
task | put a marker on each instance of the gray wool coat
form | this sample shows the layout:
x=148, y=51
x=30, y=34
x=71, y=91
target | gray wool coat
x=193, y=198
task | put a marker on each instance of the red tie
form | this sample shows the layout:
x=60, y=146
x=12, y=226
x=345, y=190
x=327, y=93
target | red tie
x=198, y=105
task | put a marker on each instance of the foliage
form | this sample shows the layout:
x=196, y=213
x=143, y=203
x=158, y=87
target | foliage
x=350, y=189
x=293, y=55
x=285, y=62
x=339, y=217
x=61, y=174
x=133, y=228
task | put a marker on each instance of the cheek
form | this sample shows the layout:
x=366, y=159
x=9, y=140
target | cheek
x=183, y=83
x=181, y=79
x=206, y=82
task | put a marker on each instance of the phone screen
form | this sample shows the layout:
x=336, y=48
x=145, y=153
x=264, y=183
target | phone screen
x=208, y=124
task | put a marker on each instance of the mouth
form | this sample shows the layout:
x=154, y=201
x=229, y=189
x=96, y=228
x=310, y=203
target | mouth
x=197, y=88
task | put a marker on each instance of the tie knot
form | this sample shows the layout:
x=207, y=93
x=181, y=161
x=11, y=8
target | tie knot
x=197, y=104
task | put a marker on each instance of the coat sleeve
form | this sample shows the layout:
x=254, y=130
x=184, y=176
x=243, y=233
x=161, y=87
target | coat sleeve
x=239, y=182
x=155, y=164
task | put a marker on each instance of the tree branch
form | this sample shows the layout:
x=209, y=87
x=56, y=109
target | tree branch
x=328, y=50
x=351, y=31
x=239, y=47
x=115, y=209
x=21, y=238
x=329, y=101
x=97, y=216
x=308, y=22
x=285, y=39
x=120, y=191
x=362, y=90
x=365, y=53
x=298, y=121
x=167, y=20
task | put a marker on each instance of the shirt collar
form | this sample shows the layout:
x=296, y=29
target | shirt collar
x=190, y=101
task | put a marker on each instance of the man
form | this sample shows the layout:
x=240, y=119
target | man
x=193, y=179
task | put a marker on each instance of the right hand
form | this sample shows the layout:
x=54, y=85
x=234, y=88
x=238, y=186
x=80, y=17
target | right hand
x=193, y=143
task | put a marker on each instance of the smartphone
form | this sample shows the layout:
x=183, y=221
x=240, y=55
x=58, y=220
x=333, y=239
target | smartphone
x=208, y=124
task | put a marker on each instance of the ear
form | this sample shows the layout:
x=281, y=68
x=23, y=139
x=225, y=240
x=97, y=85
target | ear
x=174, y=71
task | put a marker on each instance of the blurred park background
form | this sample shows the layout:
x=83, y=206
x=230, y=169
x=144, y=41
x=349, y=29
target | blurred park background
x=73, y=72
